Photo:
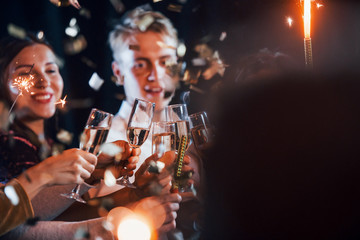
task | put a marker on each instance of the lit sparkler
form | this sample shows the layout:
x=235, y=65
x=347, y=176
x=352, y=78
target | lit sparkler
x=22, y=83
x=61, y=101
x=307, y=38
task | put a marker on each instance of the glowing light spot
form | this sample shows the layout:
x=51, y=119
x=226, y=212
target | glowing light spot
x=289, y=21
x=133, y=229
x=11, y=195
x=109, y=178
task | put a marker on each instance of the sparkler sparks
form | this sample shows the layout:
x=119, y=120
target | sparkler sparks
x=319, y=5
x=61, y=101
x=22, y=83
x=289, y=21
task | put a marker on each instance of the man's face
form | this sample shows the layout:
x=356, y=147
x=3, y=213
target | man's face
x=143, y=66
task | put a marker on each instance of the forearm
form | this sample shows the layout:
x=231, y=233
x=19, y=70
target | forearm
x=13, y=215
x=60, y=230
x=48, y=203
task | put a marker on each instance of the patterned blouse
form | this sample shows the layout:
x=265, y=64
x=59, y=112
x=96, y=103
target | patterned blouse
x=20, y=149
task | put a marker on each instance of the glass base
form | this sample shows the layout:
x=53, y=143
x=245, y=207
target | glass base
x=74, y=196
x=125, y=182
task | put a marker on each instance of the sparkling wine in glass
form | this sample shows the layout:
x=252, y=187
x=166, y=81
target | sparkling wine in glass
x=163, y=137
x=94, y=135
x=178, y=114
x=138, y=129
x=201, y=131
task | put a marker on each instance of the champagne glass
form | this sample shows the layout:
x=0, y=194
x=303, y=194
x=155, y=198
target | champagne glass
x=95, y=133
x=138, y=129
x=163, y=137
x=178, y=114
x=201, y=131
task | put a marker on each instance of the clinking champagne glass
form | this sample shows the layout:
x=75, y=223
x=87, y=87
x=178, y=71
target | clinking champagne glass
x=178, y=114
x=95, y=133
x=163, y=137
x=202, y=132
x=138, y=129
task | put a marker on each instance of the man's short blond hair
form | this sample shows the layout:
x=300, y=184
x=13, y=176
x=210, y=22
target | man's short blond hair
x=137, y=21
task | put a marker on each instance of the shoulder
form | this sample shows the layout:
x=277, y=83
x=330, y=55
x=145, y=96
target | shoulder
x=16, y=155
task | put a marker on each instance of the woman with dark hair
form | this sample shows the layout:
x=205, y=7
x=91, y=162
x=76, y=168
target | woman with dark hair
x=21, y=147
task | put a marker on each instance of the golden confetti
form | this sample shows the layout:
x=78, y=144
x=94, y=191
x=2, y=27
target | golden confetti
x=174, y=8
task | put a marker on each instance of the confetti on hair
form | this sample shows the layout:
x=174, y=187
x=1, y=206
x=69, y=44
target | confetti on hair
x=145, y=22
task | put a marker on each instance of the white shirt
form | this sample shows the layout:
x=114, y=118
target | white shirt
x=118, y=132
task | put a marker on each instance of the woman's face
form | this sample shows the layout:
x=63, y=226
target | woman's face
x=38, y=101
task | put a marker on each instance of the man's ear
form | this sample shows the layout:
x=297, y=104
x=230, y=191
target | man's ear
x=116, y=70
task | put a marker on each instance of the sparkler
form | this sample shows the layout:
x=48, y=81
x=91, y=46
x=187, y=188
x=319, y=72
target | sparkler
x=307, y=38
x=22, y=83
x=61, y=101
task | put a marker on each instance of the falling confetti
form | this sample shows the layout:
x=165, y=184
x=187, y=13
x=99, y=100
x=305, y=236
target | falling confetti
x=181, y=50
x=118, y=5
x=11, y=194
x=109, y=178
x=75, y=46
x=222, y=36
x=95, y=81
x=174, y=8
x=16, y=31
x=64, y=136
x=156, y=167
x=111, y=149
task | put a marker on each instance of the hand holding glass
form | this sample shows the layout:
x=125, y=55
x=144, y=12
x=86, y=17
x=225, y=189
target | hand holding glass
x=95, y=133
x=178, y=114
x=163, y=137
x=138, y=129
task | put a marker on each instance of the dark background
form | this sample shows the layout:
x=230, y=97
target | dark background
x=250, y=25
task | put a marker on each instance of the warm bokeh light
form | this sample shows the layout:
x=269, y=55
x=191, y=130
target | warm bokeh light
x=319, y=5
x=289, y=21
x=307, y=18
x=133, y=228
